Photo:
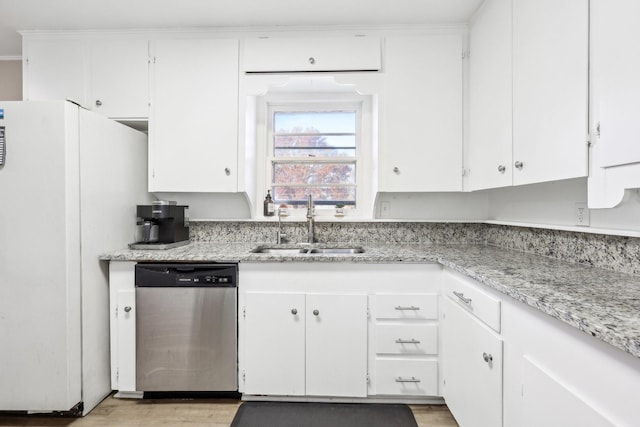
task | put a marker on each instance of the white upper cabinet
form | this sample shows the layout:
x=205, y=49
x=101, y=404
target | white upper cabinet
x=109, y=75
x=550, y=90
x=615, y=59
x=528, y=92
x=421, y=114
x=193, y=119
x=119, y=77
x=490, y=117
x=54, y=68
x=293, y=54
x=615, y=101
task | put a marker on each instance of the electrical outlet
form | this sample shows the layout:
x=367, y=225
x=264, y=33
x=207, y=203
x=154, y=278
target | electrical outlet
x=581, y=214
x=385, y=207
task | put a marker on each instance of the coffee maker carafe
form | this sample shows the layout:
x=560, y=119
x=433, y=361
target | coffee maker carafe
x=161, y=225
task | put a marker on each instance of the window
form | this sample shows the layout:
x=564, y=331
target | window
x=315, y=148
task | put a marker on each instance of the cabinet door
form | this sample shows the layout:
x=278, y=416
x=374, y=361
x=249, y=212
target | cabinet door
x=615, y=63
x=421, y=147
x=54, y=70
x=490, y=131
x=193, y=118
x=336, y=350
x=311, y=54
x=550, y=70
x=126, y=323
x=472, y=367
x=549, y=402
x=274, y=344
x=119, y=78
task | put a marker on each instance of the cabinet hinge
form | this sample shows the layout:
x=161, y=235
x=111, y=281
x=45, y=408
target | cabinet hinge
x=466, y=54
x=465, y=172
x=116, y=311
x=368, y=313
x=117, y=374
x=368, y=378
x=244, y=312
x=587, y=139
x=244, y=376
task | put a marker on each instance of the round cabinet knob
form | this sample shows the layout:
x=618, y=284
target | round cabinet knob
x=518, y=165
x=316, y=312
x=396, y=170
x=127, y=309
x=312, y=60
x=98, y=103
x=487, y=357
x=227, y=171
x=294, y=311
x=502, y=168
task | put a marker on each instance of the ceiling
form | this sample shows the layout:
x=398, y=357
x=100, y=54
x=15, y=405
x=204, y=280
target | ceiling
x=17, y=15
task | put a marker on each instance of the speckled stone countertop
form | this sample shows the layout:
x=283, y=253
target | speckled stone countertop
x=601, y=303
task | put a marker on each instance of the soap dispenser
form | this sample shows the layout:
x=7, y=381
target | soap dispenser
x=269, y=208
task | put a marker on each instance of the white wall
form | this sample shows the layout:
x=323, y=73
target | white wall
x=554, y=204
x=433, y=206
x=548, y=205
x=211, y=205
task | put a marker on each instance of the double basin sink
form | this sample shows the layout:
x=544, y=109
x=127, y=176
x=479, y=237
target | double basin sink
x=274, y=250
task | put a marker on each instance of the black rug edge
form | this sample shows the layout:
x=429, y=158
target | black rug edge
x=406, y=411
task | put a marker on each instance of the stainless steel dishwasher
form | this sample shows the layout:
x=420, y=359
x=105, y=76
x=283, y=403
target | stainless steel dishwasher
x=186, y=327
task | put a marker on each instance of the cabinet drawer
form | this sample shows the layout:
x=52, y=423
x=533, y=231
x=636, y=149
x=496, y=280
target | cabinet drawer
x=264, y=55
x=407, y=377
x=406, y=339
x=406, y=306
x=480, y=304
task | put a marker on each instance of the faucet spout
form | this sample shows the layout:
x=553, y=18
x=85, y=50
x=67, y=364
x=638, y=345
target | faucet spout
x=310, y=220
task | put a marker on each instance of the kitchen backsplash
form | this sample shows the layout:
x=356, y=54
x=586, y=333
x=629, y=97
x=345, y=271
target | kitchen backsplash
x=617, y=253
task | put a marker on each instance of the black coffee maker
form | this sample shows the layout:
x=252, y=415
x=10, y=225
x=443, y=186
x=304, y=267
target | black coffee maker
x=161, y=225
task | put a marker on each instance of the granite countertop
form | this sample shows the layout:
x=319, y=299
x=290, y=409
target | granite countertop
x=601, y=303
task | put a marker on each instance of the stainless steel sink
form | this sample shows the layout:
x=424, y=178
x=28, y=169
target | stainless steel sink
x=336, y=251
x=278, y=251
x=313, y=251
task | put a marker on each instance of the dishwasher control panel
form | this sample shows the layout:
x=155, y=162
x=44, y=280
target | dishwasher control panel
x=187, y=275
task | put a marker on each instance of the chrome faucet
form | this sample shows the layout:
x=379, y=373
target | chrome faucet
x=281, y=237
x=310, y=222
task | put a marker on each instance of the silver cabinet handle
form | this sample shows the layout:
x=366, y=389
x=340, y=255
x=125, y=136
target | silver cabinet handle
x=294, y=311
x=396, y=170
x=316, y=312
x=312, y=60
x=98, y=103
x=227, y=171
x=127, y=309
x=407, y=380
x=502, y=168
x=462, y=298
x=411, y=341
x=487, y=357
x=401, y=308
x=518, y=165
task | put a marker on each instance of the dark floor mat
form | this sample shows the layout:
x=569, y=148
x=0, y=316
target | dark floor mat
x=289, y=414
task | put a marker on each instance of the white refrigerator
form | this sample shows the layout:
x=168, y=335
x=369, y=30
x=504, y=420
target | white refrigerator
x=69, y=183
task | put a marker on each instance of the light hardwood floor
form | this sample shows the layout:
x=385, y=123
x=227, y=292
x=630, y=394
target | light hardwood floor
x=114, y=412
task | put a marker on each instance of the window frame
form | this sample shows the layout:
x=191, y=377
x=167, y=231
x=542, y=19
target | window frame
x=310, y=101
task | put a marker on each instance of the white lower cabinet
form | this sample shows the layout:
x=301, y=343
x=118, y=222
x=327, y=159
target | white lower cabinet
x=297, y=344
x=308, y=330
x=406, y=340
x=472, y=360
x=122, y=297
x=274, y=333
x=506, y=363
